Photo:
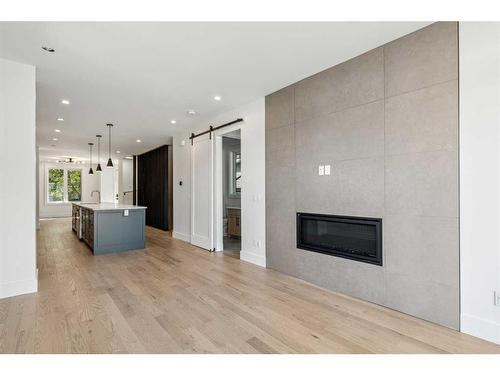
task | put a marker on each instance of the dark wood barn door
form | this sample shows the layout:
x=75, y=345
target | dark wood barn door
x=153, y=186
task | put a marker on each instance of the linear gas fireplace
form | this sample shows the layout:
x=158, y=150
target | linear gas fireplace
x=357, y=238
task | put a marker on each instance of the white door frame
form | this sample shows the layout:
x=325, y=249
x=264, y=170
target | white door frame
x=218, y=188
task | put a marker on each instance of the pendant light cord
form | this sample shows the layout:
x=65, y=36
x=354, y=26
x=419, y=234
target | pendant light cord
x=110, y=162
x=109, y=144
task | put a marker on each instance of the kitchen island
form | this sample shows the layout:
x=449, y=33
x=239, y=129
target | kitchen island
x=109, y=227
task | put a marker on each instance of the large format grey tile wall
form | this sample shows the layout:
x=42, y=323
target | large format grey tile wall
x=387, y=123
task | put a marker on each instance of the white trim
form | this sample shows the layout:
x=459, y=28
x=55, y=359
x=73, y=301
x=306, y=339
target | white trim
x=15, y=288
x=181, y=236
x=256, y=259
x=218, y=195
x=485, y=329
x=53, y=215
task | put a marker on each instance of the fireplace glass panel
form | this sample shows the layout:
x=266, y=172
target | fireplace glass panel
x=348, y=237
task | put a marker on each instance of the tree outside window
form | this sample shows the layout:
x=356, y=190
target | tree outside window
x=56, y=185
x=74, y=185
x=64, y=185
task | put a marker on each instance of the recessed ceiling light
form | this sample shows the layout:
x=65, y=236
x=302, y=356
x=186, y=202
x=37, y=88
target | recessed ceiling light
x=138, y=140
x=217, y=97
x=60, y=119
x=173, y=121
x=48, y=49
x=65, y=101
x=129, y=157
x=191, y=112
x=55, y=139
x=117, y=151
x=57, y=130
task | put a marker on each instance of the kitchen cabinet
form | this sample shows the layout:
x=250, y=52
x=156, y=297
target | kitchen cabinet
x=109, y=227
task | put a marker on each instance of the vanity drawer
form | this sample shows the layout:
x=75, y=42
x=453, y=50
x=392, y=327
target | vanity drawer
x=234, y=222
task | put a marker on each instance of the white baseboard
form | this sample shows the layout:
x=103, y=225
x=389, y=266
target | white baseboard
x=181, y=236
x=54, y=216
x=482, y=328
x=257, y=259
x=15, y=288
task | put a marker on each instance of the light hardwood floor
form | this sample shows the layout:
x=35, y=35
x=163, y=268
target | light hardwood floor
x=174, y=297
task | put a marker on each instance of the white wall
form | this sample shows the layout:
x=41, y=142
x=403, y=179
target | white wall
x=89, y=182
x=181, y=149
x=126, y=181
x=37, y=196
x=480, y=178
x=18, y=274
x=108, y=185
x=253, y=180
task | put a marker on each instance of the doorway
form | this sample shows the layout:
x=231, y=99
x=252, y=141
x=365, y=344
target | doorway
x=231, y=193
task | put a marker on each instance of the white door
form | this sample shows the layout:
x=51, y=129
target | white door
x=127, y=181
x=201, y=192
x=108, y=185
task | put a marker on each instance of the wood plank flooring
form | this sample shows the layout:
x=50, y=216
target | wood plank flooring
x=176, y=298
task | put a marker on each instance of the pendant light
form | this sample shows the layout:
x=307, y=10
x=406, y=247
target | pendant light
x=90, y=158
x=98, y=169
x=110, y=162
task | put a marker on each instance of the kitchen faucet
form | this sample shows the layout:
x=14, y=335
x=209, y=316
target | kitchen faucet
x=96, y=191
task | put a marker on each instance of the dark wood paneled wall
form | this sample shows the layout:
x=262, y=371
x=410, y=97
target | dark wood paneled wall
x=153, y=187
x=134, y=181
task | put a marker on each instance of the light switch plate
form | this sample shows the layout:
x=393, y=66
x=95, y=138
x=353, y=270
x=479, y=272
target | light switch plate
x=321, y=170
x=327, y=170
x=125, y=212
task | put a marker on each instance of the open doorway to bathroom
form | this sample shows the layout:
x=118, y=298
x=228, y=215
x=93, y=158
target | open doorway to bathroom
x=231, y=189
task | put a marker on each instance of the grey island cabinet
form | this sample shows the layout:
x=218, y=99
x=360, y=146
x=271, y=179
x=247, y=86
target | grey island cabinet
x=109, y=227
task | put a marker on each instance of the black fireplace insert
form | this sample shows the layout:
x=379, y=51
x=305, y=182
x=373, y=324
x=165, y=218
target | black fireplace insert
x=357, y=238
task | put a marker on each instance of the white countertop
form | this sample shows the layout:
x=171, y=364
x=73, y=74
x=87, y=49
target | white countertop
x=109, y=206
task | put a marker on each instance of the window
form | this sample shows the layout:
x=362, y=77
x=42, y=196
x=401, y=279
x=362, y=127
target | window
x=64, y=185
x=74, y=185
x=56, y=185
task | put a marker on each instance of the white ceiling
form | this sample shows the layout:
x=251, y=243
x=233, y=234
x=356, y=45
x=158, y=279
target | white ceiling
x=139, y=76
